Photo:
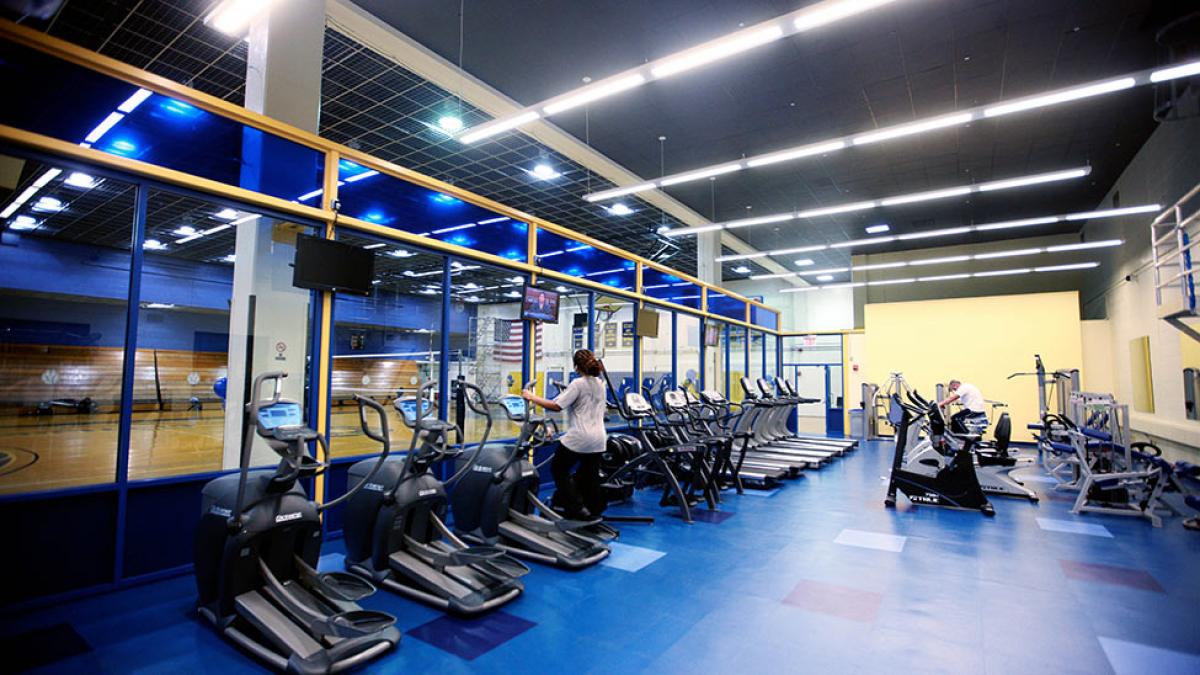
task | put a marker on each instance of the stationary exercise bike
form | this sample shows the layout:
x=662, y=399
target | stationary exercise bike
x=257, y=548
x=954, y=484
x=496, y=502
x=993, y=460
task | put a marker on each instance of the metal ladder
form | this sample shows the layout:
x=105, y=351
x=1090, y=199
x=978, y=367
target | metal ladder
x=1173, y=236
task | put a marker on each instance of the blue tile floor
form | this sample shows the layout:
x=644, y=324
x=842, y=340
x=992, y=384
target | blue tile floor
x=818, y=578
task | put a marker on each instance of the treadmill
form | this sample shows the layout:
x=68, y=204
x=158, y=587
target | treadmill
x=787, y=391
x=744, y=430
x=706, y=426
x=764, y=412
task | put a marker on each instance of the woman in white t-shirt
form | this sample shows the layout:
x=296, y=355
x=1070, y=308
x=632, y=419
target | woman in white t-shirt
x=585, y=402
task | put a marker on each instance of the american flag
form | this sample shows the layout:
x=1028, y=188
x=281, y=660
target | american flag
x=509, y=339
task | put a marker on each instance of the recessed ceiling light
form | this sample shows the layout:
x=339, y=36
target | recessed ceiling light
x=561, y=289
x=185, y=230
x=226, y=214
x=48, y=204
x=24, y=223
x=230, y=258
x=620, y=209
x=741, y=269
x=153, y=245
x=825, y=277
x=544, y=172
x=450, y=123
x=80, y=180
x=804, y=262
x=877, y=229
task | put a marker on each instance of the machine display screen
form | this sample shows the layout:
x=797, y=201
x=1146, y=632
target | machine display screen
x=408, y=408
x=515, y=405
x=281, y=415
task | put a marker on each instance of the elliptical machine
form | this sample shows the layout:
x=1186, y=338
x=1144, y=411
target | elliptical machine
x=954, y=484
x=257, y=548
x=396, y=534
x=496, y=502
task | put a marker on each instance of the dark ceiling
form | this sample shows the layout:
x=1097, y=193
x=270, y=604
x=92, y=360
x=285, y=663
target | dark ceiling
x=911, y=60
x=907, y=61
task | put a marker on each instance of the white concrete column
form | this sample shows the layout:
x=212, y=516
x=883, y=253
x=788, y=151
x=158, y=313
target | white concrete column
x=283, y=80
x=708, y=247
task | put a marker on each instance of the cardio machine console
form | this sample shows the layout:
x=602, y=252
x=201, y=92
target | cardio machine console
x=713, y=396
x=282, y=414
x=407, y=407
x=514, y=406
x=637, y=405
x=675, y=399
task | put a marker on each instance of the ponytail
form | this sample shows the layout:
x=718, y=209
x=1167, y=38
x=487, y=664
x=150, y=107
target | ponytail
x=587, y=363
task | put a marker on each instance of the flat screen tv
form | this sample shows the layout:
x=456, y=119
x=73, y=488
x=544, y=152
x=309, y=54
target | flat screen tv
x=712, y=335
x=647, y=323
x=539, y=304
x=327, y=265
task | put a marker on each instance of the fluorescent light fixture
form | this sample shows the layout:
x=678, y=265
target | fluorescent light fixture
x=703, y=173
x=102, y=128
x=825, y=277
x=861, y=242
x=246, y=219
x=941, y=261
x=804, y=262
x=134, y=101
x=1006, y=254
x=889, y=282
x=456, y=228
x=779, y=275
x=374, y=246
x=1035, y=180
x=44, y=179
x=361, y=176
x=796, y=153
x=153, y=245
x=1083, y=246
x=401, y=253
x=878, y=229
x=1175, y=72
x=716, y=50
x=160, y=305
x=23, y=223
x=48, y=204
x=823, y=14
x=929, y=195
x=309, y=195
x=827, y=270
x=544, y=172
x=80, y=180
x=945, y=277
x=1002, y=273
x=594, y=92
x=889, y=133
x=1112, y=213
x=1064, y=268
x=761, y=220
x=620, y=192
x=879, y=266
x=498, y=127
x=1061, y=96
x=933, y=233
x=1027, y=222
x=512, y=294
x=231, y=258
x=233, y=17
x=834, y=210
x=450, y=124
x=741, y=269
x=489, y=221
x=226, y=214
x=619, y=209
x=219, y=228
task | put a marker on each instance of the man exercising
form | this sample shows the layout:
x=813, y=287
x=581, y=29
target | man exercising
x=969, y=396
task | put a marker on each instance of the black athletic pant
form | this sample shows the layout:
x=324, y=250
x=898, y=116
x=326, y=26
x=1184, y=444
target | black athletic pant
x=582, y=491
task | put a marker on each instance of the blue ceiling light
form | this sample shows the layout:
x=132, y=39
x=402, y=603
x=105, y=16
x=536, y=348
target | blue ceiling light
x=123, y=147
x=374, y=217
x=444, y=199
x=180, y=109
x=519, y=226
x=512, y=254
x=670, y=277
x=613, y=281
x=461, y=240
x=575, y=271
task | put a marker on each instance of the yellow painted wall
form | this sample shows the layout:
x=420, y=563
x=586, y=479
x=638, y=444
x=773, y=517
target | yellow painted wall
x=1098, y=371
x=978, y=340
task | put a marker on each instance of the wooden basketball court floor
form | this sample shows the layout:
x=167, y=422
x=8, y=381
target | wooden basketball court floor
x=68, y=450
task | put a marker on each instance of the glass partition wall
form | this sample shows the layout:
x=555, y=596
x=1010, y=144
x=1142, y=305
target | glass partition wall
x=657, y=331
x=813, y=364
